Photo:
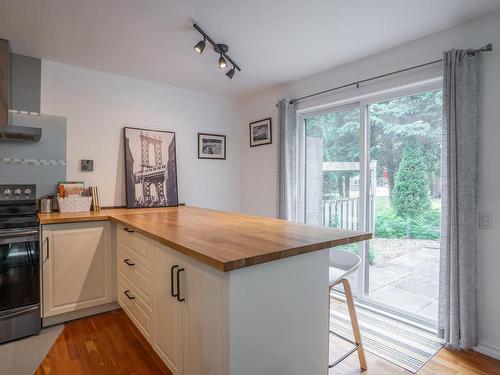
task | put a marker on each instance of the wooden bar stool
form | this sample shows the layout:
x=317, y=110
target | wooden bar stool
x=343, y=263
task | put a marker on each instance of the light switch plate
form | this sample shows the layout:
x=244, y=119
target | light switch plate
x=484, y=220
x=87, y=166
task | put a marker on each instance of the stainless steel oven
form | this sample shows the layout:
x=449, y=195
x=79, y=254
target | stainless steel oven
x=19, y=263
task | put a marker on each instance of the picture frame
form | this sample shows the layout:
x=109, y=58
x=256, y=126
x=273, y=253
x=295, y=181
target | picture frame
x=261, y=132
x=211, y=146
x=150, y=168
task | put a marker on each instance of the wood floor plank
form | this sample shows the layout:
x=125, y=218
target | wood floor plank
x=110, y=344
x=103, y=344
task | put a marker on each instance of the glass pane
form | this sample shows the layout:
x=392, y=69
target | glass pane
x=332, y=173
x=405, y=202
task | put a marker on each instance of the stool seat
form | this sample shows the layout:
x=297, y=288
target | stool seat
x=342, y=263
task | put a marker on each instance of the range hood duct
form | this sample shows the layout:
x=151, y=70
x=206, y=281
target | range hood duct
x=10, y=132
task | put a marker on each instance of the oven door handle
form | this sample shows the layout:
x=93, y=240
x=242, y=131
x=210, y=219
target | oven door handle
x=24, y=233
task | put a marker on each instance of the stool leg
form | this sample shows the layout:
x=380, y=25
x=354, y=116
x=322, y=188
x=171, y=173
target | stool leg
x=354, y=323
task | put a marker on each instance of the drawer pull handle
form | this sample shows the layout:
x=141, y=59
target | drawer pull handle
x=128, y=262
x=179, y=286
x=127, y=294
x=174, y=294
x=128, y=230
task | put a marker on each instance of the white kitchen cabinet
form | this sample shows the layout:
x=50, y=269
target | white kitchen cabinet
x=169, y=308
x=78, y=267
x=206, y=317
x=190, y=313
x=178, y=303
x=135, y=279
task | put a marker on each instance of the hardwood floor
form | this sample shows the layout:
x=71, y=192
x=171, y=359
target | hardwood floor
x=446, y=362
x=102, y=344
x=110, y=344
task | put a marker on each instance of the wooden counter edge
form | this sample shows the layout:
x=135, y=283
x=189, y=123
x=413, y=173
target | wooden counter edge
x=219, y=265
x=44, y=220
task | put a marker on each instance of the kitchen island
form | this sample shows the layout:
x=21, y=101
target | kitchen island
x=213, y=292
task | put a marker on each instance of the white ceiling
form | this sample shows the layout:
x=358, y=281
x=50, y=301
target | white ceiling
x=274, y=41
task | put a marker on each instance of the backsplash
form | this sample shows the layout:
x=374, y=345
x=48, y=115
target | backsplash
x=42, y=163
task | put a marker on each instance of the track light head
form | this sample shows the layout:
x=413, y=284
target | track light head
x=200, y=46
x=222, y=62
x=230, y=73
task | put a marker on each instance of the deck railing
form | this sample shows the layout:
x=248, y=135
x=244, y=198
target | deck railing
x=343, y=213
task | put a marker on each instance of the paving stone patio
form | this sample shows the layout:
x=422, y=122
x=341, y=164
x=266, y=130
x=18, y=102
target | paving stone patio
x=405, y=275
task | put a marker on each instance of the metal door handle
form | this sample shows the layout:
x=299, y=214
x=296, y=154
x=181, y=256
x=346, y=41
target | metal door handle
x=178, y=286
x=172, y=269
x=127, y=294
x=128, y=262
x=128, y=230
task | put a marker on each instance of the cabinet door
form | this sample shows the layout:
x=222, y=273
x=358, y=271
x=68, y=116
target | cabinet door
x=167, y=310
x=205, y=320
x=77, y=269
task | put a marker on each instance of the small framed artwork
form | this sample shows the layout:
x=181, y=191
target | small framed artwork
x=261, y=133
x=150, y=168
x=211, y=146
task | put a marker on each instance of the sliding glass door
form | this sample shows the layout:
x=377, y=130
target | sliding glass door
x=332, y=171
x=375, y=165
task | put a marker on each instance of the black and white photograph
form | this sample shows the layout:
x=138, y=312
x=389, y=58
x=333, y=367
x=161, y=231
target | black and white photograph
x=260, y=132
x=150, y=168
x=211, y=146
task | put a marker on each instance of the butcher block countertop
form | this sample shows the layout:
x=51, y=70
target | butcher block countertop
x=223, y=240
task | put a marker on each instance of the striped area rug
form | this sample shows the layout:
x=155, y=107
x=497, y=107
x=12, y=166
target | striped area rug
x=394, y=341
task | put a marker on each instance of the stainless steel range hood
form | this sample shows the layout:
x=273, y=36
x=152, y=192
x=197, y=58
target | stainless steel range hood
x=10, y=132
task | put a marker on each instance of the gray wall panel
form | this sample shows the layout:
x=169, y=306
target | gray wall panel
x=42, y=163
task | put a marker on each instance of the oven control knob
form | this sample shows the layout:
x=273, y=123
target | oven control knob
x=27, y=191
x=7, y=192
x=17, y=192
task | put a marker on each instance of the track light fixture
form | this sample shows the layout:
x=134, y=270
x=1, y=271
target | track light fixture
x=220, y=49
x=230, y=73
x=200, y=46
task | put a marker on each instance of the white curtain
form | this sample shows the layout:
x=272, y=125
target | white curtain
x=457, y=322
x=287, y=157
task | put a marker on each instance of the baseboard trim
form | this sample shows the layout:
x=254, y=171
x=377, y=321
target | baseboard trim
x=66, y=317
x=488, y=350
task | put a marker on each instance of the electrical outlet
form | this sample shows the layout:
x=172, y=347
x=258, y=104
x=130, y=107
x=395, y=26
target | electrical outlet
x=484, y=221
x=87, y=166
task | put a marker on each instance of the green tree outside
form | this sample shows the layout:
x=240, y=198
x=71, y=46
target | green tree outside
x=411, y=188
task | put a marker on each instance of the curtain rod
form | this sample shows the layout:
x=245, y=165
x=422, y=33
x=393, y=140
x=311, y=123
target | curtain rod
x=488, y=47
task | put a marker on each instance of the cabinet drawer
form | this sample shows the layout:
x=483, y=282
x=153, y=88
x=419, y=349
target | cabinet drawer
x=135, y=272
x=134, y=306
x=141, y=245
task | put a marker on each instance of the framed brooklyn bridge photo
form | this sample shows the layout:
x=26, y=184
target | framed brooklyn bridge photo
x=150, y=168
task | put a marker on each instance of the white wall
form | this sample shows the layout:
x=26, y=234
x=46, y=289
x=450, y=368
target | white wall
x=259, y=165
x=98, y=105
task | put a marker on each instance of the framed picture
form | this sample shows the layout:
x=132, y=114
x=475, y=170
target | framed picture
x=150, y=168
x=211, y=146
x=261, y=133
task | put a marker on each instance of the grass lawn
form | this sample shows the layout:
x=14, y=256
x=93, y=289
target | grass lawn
x=390, y=225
